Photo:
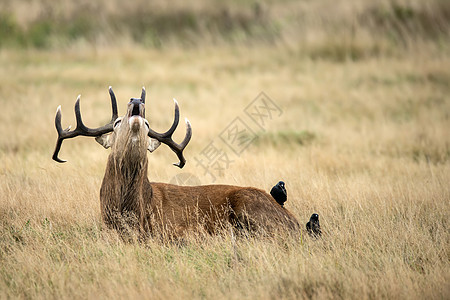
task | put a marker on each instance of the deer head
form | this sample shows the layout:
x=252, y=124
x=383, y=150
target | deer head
x=130, y=132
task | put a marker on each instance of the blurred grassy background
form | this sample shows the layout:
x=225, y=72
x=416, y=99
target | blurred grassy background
x=363, y=140
x=349, y=29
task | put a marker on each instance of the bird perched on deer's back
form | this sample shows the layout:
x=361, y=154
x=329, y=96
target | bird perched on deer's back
x=313, y=226
x=279, y=193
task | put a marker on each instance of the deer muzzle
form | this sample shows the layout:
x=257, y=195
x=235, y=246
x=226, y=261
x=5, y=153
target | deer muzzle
x=136, y=114
x=136, y=108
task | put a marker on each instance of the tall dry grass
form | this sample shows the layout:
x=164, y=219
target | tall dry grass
x=362, y=140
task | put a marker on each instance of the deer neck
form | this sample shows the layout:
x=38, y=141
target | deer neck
x=125, y=180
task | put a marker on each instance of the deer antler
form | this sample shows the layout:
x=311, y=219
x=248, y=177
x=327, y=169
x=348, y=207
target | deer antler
x=166, y=137
x=81, y=129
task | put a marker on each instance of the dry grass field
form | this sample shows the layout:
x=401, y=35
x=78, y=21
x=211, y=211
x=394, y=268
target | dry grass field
x=362, y=139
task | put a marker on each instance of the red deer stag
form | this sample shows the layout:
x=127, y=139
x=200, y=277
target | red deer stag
x=129, y=200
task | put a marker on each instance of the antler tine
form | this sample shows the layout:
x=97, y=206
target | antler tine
x=176, y=120
x=81, y=129
x=143, y=95
x=80, y=125
x=180, y=147
x=115, y=113
x=166, y=137
x=60, y=134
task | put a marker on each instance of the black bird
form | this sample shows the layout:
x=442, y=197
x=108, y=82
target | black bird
x=313, y=226
x=279, y=193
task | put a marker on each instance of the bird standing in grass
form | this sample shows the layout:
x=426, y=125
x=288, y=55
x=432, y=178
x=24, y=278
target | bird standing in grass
x=279, y=193
x=313, y=226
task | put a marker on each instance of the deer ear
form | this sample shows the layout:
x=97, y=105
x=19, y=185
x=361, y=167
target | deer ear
x=104, y=140
x=153, y=144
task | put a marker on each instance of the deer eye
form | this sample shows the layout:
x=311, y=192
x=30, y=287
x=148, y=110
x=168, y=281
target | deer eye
x=117, y=122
